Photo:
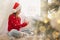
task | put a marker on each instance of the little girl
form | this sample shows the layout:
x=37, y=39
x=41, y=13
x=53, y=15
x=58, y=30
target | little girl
x=14, y=21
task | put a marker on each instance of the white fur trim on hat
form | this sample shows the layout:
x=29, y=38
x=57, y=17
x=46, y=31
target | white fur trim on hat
x=15, y=10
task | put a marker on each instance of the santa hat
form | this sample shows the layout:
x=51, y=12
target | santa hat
x=16, y=7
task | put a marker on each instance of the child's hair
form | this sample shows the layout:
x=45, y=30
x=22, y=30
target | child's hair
x=14, y=13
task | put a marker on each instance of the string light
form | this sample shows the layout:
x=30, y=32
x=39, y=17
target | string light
x=42, y=29
x=46, y=21
x=58, y=21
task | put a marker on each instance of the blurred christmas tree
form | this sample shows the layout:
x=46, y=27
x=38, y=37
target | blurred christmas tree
x=45, y=27
x=54, y=5
x=52, y=32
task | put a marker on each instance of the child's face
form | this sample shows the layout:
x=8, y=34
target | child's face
x=19, y=11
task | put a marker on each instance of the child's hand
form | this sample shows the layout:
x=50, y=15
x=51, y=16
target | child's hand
x=26, y=21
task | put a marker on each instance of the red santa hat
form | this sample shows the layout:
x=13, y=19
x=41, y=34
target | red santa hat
x=16, y=7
